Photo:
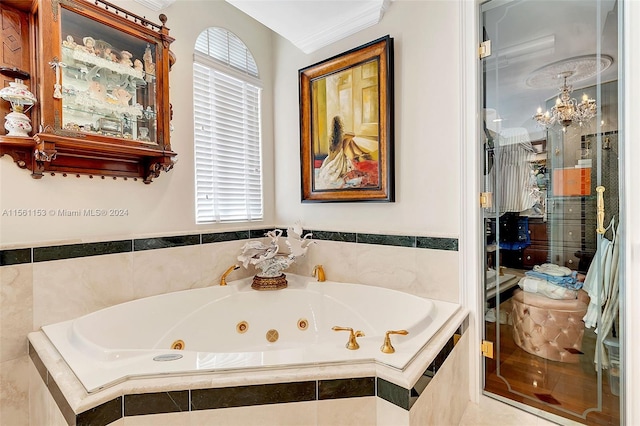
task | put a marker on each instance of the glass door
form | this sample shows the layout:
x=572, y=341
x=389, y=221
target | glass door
x=550, y=109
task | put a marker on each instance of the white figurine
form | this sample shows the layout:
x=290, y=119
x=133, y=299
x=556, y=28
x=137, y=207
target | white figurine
x=89, y=45
x=125, y=58
x=70, y=42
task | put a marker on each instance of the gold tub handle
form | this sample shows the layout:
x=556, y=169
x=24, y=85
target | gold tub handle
x=352, y=344
x=386, y=347
x=600, y=210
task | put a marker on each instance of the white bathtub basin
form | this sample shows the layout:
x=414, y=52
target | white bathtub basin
x=121, y=342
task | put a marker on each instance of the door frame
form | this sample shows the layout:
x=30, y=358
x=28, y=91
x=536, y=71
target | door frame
x=471, y=249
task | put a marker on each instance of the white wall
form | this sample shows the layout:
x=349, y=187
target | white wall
x=427, y=127
x=166, y=206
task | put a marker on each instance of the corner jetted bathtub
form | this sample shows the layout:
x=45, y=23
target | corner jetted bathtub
x=234, y=327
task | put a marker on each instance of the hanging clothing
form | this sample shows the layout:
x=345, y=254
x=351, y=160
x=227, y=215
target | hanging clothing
x=511, y=178
x=598, y=280
x=602, y=284
x=611, y=307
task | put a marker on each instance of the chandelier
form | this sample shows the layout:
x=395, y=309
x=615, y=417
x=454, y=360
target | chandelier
x=567, y=109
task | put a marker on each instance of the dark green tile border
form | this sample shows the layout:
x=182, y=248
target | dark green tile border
x=386, y=240
x=71, y=251
x=437, y=243
x=345, y=237
x=165, y=242
x=397, y=395
x=242, y=396
x=346, y=388
x=156, y=403
x=15, y=257
x=43, y=254
x=103, y=414
x=221, y=237
x=259, y=233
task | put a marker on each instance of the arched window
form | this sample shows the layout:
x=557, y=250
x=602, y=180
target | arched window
x=226, y=106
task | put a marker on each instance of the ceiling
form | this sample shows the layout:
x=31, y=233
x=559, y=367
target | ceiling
x=312, y=24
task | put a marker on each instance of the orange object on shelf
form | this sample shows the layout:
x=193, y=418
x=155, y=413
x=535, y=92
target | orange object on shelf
x=572, y=181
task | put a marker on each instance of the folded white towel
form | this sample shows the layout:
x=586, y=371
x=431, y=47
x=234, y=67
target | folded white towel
x=553, y=270
x=546, y=288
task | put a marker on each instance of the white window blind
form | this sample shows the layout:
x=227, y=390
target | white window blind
x=227, y=140
x=227, y=48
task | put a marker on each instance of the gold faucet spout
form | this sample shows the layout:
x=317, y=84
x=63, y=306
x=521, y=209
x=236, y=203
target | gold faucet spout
x=318, y=273
x=223, y=279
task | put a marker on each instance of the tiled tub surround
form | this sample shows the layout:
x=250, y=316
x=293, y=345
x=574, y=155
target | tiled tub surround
x=44, y=285
x=363, y=393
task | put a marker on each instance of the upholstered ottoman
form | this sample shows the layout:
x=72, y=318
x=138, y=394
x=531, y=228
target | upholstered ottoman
x=549, y=328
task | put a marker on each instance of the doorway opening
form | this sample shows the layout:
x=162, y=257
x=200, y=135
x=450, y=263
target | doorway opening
x=551, y=175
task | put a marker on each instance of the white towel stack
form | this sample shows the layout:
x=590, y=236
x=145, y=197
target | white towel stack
x=552, y=291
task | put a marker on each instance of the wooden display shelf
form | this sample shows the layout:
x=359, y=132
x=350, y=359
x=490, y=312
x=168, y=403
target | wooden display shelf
x=74, y=155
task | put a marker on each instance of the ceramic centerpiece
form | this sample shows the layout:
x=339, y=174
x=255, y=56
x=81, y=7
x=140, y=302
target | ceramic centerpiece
x=270, y=260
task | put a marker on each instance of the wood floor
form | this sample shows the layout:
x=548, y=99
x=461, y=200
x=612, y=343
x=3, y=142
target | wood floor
x=553, y=386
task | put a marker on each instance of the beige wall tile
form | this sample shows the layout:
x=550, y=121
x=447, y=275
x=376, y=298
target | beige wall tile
x=216, y=258
x=168, y=419
x=165, y=270
x=338, y=260
x=14, y=391
x=449, y=388
x=388, y=414
x=38, y=399
x=422, y=272
x=386, y=266
x=347, y=412
x=292, y=414
x=69, y=288
x=16, y=310
x=437, y=272
x=490, y=412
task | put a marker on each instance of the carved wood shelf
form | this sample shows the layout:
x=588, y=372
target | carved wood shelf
x=74, y=155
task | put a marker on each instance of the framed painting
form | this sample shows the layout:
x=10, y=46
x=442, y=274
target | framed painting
x=346, y=126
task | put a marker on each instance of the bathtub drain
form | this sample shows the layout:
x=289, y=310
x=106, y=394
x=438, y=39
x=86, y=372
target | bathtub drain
x=178, y=344
x=167, y=357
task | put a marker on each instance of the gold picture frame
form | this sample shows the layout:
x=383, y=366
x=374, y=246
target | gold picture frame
x=346, y=126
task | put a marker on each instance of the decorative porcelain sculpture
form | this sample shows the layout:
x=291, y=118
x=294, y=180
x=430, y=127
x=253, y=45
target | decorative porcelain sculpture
x=269, y=259
x=17, y=124
x=21, y=100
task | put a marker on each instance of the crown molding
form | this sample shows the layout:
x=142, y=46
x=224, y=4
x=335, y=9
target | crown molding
x=311, y=25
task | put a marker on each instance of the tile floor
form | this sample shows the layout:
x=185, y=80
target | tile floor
x=491, y=412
